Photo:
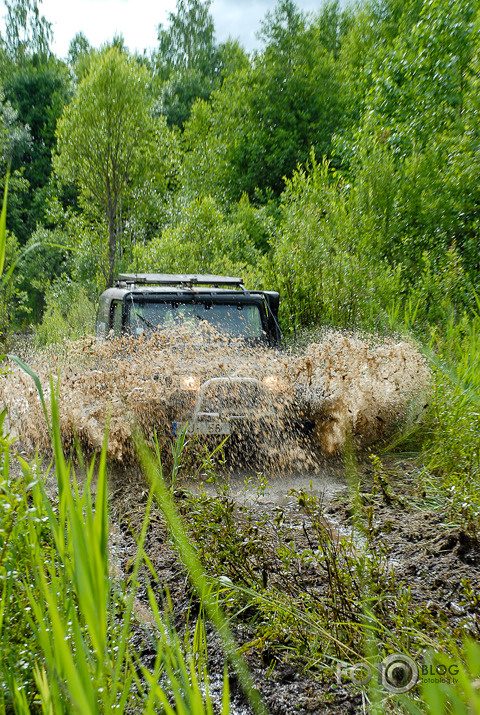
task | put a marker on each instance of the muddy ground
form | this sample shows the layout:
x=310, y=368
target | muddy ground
x=431, y=559
x=266, y=536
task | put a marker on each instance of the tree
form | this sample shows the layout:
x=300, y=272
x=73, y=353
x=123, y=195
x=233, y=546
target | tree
x=15, y=137
x=111, y=148
x=79, y=55
x=78, y=48
x=407, y=66
x=15, y=142
x=189, y=41
x=413, y=155
x=204, y=240
x=188, y=61
x=38, y=92
x=267, y=116
x=179, y=94
x=27, y=32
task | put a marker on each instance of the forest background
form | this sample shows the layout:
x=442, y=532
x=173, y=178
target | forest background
x=338, y=164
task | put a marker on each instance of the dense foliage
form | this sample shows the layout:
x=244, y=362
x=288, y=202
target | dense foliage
x=337, y=163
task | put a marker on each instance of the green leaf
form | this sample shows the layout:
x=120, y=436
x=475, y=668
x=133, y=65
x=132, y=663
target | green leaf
x=3, y=225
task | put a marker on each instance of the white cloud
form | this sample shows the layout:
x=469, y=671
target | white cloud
x=100, y=20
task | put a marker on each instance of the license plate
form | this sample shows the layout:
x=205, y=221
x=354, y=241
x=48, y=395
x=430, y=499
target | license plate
x=214, y=427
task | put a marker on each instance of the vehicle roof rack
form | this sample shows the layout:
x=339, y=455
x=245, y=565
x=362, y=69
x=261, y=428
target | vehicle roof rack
x=184, y=279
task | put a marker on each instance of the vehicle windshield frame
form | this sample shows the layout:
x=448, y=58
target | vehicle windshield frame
x=200, y=307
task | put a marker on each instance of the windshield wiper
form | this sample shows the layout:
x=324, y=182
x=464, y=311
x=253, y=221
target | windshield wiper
x=147, y=322
x=137, y=315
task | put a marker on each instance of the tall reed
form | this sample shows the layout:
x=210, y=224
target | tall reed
x=81, y=618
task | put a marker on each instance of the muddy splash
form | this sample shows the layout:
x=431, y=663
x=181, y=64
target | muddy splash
x=342, y=385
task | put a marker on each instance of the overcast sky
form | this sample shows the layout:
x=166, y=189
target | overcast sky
x=137, y=20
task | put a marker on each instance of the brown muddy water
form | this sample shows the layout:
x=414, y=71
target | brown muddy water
x=341, y=385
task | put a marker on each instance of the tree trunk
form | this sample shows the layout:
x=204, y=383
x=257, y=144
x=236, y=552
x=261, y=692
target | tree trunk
x=112, y=247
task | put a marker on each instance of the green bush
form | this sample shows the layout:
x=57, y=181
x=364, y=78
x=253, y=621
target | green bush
x=13, y=299
x=203, y=241
x=49, y=257
x=451, y=449
x=315, y=264
x=69, y=313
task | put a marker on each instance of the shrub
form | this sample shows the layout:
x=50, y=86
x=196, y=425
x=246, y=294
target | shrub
x=315, y=263
x=202, y=241
x=69, y=313
x=451, y=450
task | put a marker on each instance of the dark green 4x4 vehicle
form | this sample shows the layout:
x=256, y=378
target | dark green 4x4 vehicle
x=140, y=304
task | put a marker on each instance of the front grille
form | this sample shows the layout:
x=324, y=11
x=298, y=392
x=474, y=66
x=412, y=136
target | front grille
x=234, y=397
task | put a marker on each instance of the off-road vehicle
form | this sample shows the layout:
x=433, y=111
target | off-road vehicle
x=140, y=304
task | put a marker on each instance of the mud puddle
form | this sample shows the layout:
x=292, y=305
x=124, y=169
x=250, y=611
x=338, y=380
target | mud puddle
x=254, y=488
x=435, y=566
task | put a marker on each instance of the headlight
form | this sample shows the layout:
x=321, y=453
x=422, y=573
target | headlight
x=190, y=382
x=273, y=382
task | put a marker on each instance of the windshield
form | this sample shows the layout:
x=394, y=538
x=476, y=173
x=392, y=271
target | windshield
x=236, y=321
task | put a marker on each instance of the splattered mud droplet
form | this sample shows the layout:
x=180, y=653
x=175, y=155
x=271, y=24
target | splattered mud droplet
x=344, y=384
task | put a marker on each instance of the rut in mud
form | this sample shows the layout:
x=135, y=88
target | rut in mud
x=295, y=543
x=344, y=384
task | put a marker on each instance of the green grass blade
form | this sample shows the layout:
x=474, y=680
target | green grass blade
x=101, y=508
x=38, y=385
x=226, y=692
x=20, y=258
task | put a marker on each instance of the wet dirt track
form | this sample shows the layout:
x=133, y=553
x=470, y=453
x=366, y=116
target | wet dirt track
x=429, y=559
x=286, y=689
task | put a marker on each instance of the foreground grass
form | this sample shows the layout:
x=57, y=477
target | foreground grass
x=66, y=625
